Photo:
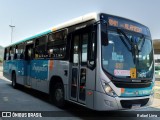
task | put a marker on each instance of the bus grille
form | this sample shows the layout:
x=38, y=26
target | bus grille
x=129, y=103
x=131, y=85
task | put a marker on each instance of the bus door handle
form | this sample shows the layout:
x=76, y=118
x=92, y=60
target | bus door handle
x=65, y=72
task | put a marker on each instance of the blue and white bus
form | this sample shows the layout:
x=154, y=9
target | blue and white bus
x=99, y=61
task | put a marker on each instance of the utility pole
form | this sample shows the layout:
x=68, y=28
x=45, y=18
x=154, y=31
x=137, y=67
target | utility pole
x=11, y=31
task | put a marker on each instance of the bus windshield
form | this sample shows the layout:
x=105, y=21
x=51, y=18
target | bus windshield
x=126, y=52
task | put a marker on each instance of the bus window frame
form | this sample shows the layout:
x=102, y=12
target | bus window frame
x=5, y=54
x=12, y=51
x=65, y=43
x=21, y=45
x=93, y=39
x=39, y=45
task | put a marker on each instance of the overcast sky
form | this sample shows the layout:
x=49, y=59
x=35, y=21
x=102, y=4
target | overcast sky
x=32, y=16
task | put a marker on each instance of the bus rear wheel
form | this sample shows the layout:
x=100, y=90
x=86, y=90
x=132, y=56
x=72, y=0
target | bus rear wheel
x=57, y=95
x=14, y=84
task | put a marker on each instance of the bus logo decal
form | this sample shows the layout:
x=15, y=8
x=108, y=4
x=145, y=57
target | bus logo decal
x=39, y=68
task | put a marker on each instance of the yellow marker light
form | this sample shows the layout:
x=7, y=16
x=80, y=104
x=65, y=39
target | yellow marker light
x=54, y=29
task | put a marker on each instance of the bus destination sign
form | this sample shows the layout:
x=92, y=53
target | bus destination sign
x=128, y=25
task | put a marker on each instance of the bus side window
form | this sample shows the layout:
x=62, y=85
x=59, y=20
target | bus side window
x=40, y=48
x=84, y=54
x=20, y=51
x=30, y=54
x=57, y=45
x=12, y=51
x=5, y=54
x=15, y=54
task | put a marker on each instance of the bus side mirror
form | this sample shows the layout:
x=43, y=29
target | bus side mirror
x=104, y=38
x=104, y=35
x=92, y=51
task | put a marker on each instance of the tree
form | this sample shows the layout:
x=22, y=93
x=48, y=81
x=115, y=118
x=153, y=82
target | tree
x=1, y=60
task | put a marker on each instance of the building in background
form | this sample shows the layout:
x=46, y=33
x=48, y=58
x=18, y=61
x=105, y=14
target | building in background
x=156, y=44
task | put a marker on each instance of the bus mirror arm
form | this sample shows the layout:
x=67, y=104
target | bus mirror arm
x=91, y=64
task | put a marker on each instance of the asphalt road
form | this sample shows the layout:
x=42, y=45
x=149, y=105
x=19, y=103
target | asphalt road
x=24, y=99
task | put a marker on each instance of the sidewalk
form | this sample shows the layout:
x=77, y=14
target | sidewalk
x=157, y=89
x=156, y=103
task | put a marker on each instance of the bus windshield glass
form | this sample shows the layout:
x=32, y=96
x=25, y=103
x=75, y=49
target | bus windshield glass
x=128, y=55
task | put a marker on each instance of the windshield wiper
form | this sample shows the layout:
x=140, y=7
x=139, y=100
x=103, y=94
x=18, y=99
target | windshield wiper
x=123, y=33
x=133, y=48
x=140, y=48
x=119, y=31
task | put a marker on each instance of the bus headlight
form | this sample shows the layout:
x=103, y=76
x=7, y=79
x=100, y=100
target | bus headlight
x=109, y=91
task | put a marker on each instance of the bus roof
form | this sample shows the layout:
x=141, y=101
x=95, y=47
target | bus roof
x=74, y=21
x=84, y=18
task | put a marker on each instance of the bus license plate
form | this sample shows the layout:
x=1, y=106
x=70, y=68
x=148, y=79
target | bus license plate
x=134, y=106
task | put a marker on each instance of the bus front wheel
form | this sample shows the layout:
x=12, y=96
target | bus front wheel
x=57, y=95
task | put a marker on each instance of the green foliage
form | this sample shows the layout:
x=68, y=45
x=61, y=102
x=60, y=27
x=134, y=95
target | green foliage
x=1, y=60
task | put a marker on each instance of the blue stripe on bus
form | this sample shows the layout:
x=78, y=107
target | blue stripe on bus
x=32, y=37
x=39, y=69
x=131, y=92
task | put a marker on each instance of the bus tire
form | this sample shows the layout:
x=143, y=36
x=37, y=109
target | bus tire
x=14, y=84
x=57, y=95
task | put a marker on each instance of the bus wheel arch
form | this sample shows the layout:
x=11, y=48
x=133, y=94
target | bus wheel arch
x=56, y=91
x=13, y=78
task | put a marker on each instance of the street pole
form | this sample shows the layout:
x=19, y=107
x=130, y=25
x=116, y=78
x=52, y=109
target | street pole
x=11, y=31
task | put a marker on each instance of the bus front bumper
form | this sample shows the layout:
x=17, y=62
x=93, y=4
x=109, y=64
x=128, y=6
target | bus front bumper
x=103, y=102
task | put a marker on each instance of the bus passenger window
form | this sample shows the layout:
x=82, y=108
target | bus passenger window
x=40, y=48
x=84, y=48
x=92, y=51
x=57, y=45
x=50, y=53
x=75, y=50
x=5, y=54
x=12, y=51
x=20, y=51
x=30, y=53
x=15, y=55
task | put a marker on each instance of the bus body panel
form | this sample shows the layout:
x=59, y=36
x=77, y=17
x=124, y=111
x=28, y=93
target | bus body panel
x=6, y=72
x=90, y=88
x=42, y=72
x=38, y=73
x=105, y=103
x=9, y=67
x=21, y=72
x=110, y=103
x=145, y=101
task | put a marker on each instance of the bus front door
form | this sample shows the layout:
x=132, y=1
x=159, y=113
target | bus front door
x=79, y=69
x=29, y=57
